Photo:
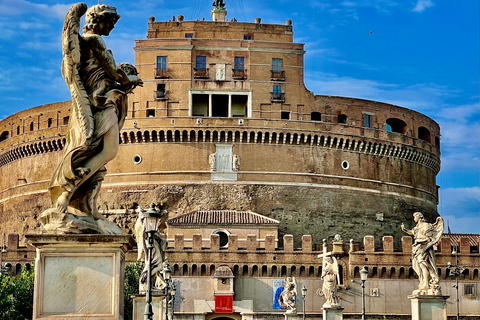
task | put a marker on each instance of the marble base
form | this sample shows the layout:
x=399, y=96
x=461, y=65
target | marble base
x=139, y=304
x=79, y=276
x=333, y=313
x=426, y=307
x=291, y=316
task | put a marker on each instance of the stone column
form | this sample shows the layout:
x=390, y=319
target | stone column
x=333, y=313
x=428, y=307
x=79, y=276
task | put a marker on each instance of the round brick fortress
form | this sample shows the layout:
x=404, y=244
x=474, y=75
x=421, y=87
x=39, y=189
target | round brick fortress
x=319, y=164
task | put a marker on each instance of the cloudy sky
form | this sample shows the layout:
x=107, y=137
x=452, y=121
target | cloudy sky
x=419, y=54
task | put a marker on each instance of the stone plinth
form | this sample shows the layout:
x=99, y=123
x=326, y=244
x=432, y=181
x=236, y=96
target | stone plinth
x=79, y=276
x=291, y=316
x=333, y=313
x=426, y=307
x=219, y=15
x=139, y=304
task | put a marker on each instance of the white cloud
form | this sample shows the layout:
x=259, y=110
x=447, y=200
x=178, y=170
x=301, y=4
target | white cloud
x=461, y=208
x=422, y=5
x=20, y=7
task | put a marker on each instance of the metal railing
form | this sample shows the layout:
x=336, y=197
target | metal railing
x=200, y=73
x=278, y=75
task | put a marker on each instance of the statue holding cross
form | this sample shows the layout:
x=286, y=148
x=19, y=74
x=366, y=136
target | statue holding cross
x=330, y=277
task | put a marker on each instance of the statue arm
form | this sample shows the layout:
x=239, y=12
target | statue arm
x=410, y=232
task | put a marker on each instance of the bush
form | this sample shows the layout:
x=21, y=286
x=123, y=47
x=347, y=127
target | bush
x=16, y=296
x=132, y=275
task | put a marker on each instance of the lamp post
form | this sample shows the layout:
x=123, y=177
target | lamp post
x=167, y=275
x=304, y=294
x=173, y=291
x=455, y=271
x=150, y=227
x=363, y=277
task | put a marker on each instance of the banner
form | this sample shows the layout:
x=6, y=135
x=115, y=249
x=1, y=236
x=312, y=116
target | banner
x=223, y=304
x=277, y=291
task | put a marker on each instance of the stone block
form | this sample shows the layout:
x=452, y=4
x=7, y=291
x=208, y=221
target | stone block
x=197, y=242
x=269, y=242
x=369, y=243
x=425, y=307
x=12, y=241
x=464, y=245
x=332, y=313
x=251, y=242
x=445, y=246
x=79, y=276
x=233, y=242
x=214, y=242
x=139, y=304
x=307, y=243
x=288, y=243
x=407, y=242
x=387, y=244
x=179, y=242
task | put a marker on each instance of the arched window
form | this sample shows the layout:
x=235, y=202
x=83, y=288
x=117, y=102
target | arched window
x=396, y=125
x=437, y=142
x=316, y=116
x=424, y=134
x=275, y=271
x=4, y=136
x=223, y=234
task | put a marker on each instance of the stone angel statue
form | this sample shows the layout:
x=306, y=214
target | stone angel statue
x=157, y=258
x=330, y=277
x=99, y=91
x=288, y=297
x=423, y=255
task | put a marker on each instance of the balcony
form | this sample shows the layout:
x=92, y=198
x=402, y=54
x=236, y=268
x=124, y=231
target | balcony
x=239, y=74
x=278, y=97
x=200, y=73
x=161, y=73
x=278, y=75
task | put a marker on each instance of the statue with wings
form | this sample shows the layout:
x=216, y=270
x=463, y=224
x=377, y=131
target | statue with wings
x=288, y=297
x=330, y=277
x=157, y=255
x=99, y=91
x=423, y=255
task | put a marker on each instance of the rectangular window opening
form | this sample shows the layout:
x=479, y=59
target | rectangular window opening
x=201, y=62
x=285, y=115
x=219, y=105
x=200, y=105
x=161, y=91
x=367, y=121
x=239, y=106
x=66, y=120
x=277, y=65
x=150, y=113
x=247, y=36
x=161, y=71
x=49, y=122
x=189, y=35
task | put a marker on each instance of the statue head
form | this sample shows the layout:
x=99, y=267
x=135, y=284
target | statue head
x=418, y=216
x=100, y=13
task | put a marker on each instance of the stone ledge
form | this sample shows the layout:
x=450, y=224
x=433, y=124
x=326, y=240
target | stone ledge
x=40, y=240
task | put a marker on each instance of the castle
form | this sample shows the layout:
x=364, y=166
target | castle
x=224, y=124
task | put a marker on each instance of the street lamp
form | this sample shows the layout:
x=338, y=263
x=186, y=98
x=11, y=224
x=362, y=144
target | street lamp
x=150, y=227
x=304, y=294
x=363, y=277
x=167, y=276
x=455, y=271
x=173, y=292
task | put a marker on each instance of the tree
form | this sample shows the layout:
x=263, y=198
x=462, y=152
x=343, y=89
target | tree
x=132, y=275
x=16, y=296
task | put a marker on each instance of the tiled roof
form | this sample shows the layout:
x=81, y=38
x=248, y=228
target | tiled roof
x=221, y=217
x=455, y=237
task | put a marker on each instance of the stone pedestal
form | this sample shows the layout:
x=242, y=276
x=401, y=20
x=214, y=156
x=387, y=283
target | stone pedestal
x=333, y=313
x=425, y=307
x=157, y=307
x=219, y=15
x=79, y=276
x=291, y=316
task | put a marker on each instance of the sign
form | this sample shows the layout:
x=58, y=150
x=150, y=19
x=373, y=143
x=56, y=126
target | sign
x=277, y=291
x=223, y=304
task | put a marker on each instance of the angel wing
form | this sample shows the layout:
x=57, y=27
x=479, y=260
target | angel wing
x=335, y=268
x=437, y=231
x=71, y=58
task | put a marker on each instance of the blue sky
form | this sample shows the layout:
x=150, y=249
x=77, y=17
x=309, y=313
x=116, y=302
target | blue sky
x=419, y=54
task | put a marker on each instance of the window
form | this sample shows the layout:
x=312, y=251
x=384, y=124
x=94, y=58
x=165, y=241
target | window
x=4, y=136
x=18, y=130
x=31, y=126
x=65, y=120
x=49, y=122
x=396, y=125
x=161, y=67
x=368, y=121
x=342, y=119
x=161, y=92
x=424, y=134
x=316, y=116
x=201, y=63
x=150, y=113
x=223, y=238
x=188, y=35
x=469, y=289
x=277, y=90
x=277, y=94
x=239, y=63
x=247, y=37
x=277, y=65
x=285, y=115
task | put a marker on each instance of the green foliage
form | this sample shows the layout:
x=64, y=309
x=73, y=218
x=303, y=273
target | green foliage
x=132, y=275
x=16, y=296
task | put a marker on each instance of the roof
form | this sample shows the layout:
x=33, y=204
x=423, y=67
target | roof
x=455, y=237
x=221, y=217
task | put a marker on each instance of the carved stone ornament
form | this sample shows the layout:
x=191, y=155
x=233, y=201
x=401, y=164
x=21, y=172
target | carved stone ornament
x=212, y=161
x=288, y=297
x=99, y=91
x=425, y=235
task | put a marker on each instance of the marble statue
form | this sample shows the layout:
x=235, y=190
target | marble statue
x=158, y=258
x=212, y=161
x=423, y=255
x=330, y=279
x=99, y=91
x=288, y=297
x=235, y=162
